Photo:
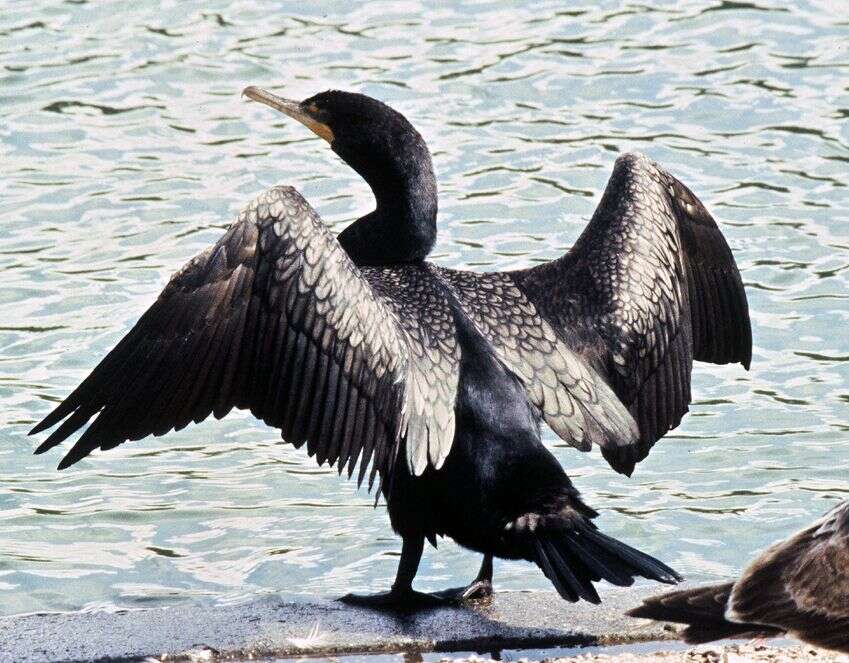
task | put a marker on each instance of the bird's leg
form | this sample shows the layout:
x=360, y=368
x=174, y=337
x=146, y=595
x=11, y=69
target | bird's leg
x=481, y=587
x=402, y=597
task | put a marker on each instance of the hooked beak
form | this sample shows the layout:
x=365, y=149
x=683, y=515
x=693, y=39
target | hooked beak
x=293, y=109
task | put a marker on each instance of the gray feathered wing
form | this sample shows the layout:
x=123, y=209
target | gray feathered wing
x=275, y=318
x=649, y=286
x=572, y=398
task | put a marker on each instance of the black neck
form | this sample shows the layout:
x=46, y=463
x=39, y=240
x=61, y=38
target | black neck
x=402, y=228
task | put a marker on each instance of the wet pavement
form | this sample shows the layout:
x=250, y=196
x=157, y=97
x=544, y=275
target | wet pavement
x=271, y=628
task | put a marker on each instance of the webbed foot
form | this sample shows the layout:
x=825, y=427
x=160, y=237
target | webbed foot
x=396, y=601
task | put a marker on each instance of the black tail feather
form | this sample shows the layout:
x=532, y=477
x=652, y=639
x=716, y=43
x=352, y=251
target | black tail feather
x=641, y=564
x=570, y=586
x=602, y=563
x=574, y=556
x=703, y=611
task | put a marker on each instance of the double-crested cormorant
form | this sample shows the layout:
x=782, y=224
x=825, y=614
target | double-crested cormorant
x=435, y=378
x=799, y=586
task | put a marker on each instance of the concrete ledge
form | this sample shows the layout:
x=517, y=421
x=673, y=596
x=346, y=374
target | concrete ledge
x=270, y=627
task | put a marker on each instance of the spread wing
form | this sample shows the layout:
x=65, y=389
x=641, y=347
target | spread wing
x=277, y=319
x=802, y=584
x=571, y=396
x=649, y=286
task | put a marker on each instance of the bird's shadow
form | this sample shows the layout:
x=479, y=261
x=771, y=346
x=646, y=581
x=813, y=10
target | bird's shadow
x=483, y=626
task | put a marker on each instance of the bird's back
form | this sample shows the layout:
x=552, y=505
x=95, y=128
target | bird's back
x=498, y=468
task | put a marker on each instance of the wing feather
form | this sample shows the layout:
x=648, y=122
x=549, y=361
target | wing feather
x=276, y=318
x=649, y=286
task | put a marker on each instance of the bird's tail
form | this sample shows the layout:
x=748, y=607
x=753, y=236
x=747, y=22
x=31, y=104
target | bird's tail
x=703, y=610
x=573, y=554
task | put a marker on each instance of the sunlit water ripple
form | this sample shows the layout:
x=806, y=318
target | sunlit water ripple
x=126, y=149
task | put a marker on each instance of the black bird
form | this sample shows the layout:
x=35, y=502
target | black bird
x=434, y=378
x=799, y=586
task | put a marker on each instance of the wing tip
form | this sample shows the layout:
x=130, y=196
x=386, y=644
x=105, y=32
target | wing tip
x=616, y=431
x=76, y=454
x=45, y=446
x=622, y=459
x=632, y=157
x=66, y=462
x=746, y=358
x=47, y=422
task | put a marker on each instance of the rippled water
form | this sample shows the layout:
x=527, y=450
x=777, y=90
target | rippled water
x=126, y=149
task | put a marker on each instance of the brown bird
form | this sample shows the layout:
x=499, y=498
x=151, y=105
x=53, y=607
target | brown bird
x=799, y=587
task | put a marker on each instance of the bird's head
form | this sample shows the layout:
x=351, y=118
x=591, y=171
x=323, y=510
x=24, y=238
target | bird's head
x=383, y=147
x=374, y=139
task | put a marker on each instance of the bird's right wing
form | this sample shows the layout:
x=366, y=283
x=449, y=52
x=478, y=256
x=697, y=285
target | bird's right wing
x=802, y=585
x=275, y=318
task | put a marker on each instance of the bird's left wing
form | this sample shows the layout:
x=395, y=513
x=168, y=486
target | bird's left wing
x=649, y=286
x=274, y=318
x=802, y=585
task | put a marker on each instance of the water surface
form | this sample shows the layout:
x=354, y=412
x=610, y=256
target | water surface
x=126, y=149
